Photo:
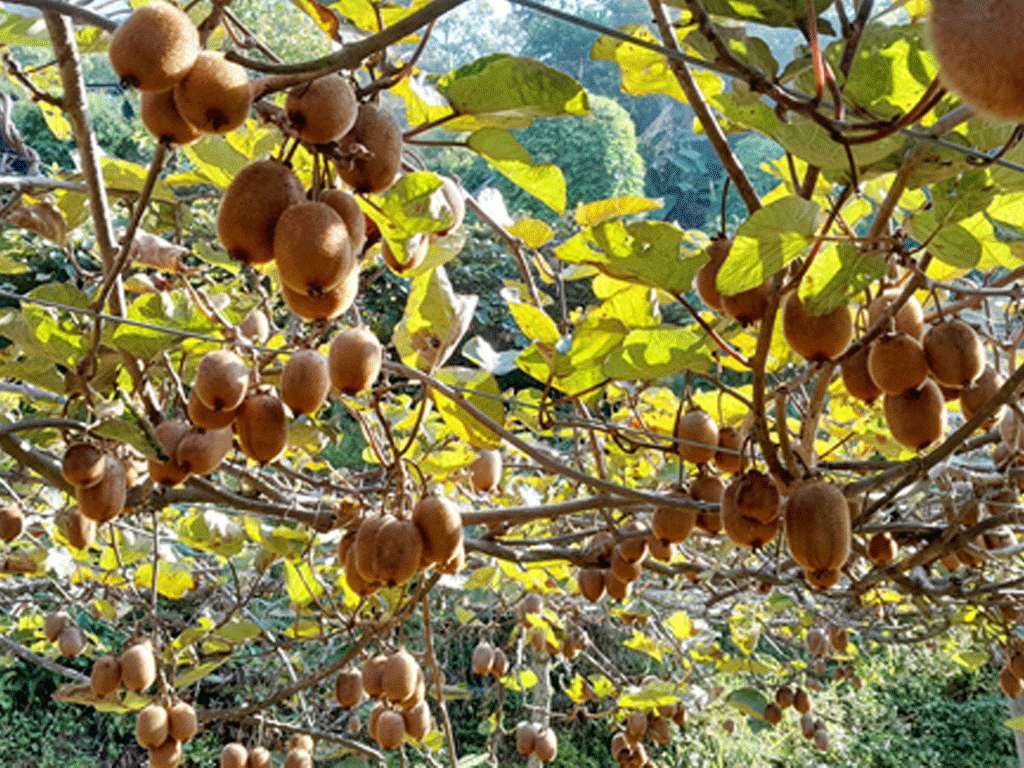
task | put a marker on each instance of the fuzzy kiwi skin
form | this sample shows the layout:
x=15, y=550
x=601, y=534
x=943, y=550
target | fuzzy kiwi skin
x=105, y=500
x=974, y=396
x=896, y=363
x=105, y=677
x=312, y=248
x=82, y=465
x=348, y=209
x=417, y=720
x=12, y=523
x=756, y=496
x=201, y=451
x=155, y=47
x=398, y=549
x=744, y=530
x=251, y=206
x=857, y=378
x=909, y=318
x=71, y=641
x=390, y=729
x=882, y=549
x=327, y=306
x=440, y=526
x=485, y=470
x=161, y=117
x=355, y=358
x=749, y=306
x=183, y=722
x=167, y=755
x=138, y=667
x=816, y=337
x=262, y=427
x=729, y=440
x=170, y=434
x=54, y=624
x=696, y=426
x=322, y=110
x=305, y=382
x=221, y=380
x=818, y=527
x=526, y=739
x=234, y=755
x=348, y=688
x=707, y=276
x=954, y=353
x=398, y=679
x=917, y=417
x=673, y=524
x=381, y=136
x=215, y=95
x=152, y=726
x=207, y=418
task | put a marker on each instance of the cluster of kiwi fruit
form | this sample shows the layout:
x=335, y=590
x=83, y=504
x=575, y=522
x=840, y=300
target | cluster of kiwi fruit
x=390, y=549
x=135, y=669
x=1012, y=673
x=12, y=522
x=397, y=681
x=186, y=91
x=489, y=660
x=537, y=740
x=61, y=629
x=101, y=481
x=701, y=441
x=813, y=729
x=299, y=754
x=745, y=307
x=163, y=729
x=627, y=747
x=616, y=564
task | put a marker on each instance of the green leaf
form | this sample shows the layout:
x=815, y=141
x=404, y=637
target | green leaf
x=194, y=675
x=748, y=701
x=164, y=310
x=408, y=204
x=658, y=694
x=650, y=353
x=644, y=644
x=773, y=13
x=972, y=660
x=299, y=581
x=535, y=324
x=511, y=680
x=126, y=431
x=320, y=15
x=766, y=242
x=589, y=214
x=9, y=266
x=506, y=91
x=745, y=629
x=837, y=274
x=173, y=579
x=501, y=149
x=121, y=174
x=237, y=631
x=483, y=393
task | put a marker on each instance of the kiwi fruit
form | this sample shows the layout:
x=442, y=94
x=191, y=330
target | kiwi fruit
x=727, y=458
x=977, y=50
x=673, y=524
x=155, y=47
x=816, y=337
x=591, y=583
x=748, y=306
x=1011, y=430
x=71, y=641
x=896, y=363
x=975, y=395
x=532, y=603
x=882, y=548
x=658, y=731
x=440, y=526
x=619, y=747
x=917, y=417
x=482, y=658
x=526, y=739
x=354, y=357
x=215, y=95
x=379, y=134
x=305, y=382
x=450, y=199
x=161, y=117
x=624, y=570
x=661, y=550
x=301, y=741
x=755, y=495
x=351, y=214
x=138, y=667
x=419, y=692
x=1017, y=663
x=54, y=624
x=260, y=757
x=399, y=676
x=499, y=664
x=365, y=546
x=746, y=531
x=251, y=206
x=700, y=433
x=152, y=726
x=954, y=353
x=321, y=110
x=821, y=742
x=298, y=758
x=221, y=380
x=390, y=729
x=414, y=251
x=328, y=305
x=371, y=721
x=398, y=550
x=856, y=376
x=348, y=688
x=802, y=701
x=170, y=434
x=201, y=451
x=807, y=726
x=817, y=644
x=485, y=470
x=167, y=755
x=183, y=723
x=636, y=726
x=355, y=579
x=1010, y=683
x=617, y=589
x=772, y=714
x=262, y=427
x=711, y=489
x=545, y=745
x=373, y=675
x=105, y=500
x=105, y=677
x=909, y=318
x=312, y=248
x=839, y=639
x=417, y=720
x=234, y=755
x=707, y=276
x=784, y=696
x=12, y=522
x=207, y=418
x=633, y=549
x=82, y=465
x=818, y=528
x=255, y=327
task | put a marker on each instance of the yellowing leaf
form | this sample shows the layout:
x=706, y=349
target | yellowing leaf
x=511, y=681
x=679, y=625
x=644, y=644
x=501, y=149
x=533, y=232
x=173, y=579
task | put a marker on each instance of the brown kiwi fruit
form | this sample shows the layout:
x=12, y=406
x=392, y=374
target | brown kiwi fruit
x=816, y=337
x=707, y=276
x=917, y=417
x=161, y=117
x=882, y=548
x=617, y=589
x=818, y=528
x=155, y=47
x=633, y=549
x=54, y=624
x=526, y=739
x=821, y=742
x=398, y=550
x=170, y=434
x=802, y=701
x=301, y=741
x=390, y=729
x=348, y=209
x=208, y=418
x=105, y=500
x=312, y=248
x=83, y=465
x=348, y=688
x=251, y=206
x=440, y=527
x=414, y=252
x=636, y=726
x=784, y=696
x=546, y=745
x=954, y=353
x=381, y=136
x=1010, y=683
x=532, y=603
x=373, y=675
x=856, y=376
x=12, y=522
x=483, y=657
x=321, y=110
x=485, y=470
x=748, y=306
x=746, y=531
x=499, y=664
x=591, y=583
x=624, y=570
x=755, y=496
x=355, y=579
x=221, y=380
x=262, y=427
x=71, y=641
x=700, y=432
x=215, y=95
x=152, y=727
x=234, y=755
x=201, y=451
x=772, y=714
x=418, y=694
x=105, y=677
x=727, y=457
x=711, y=489
x=305, y=382
x=167, y=755
x=673, y=524
x=328, y=305
x=255, y=327
x=658, y=731
x=355, y=358
x=298, y=758
x=260, y=757
x=365, y=548
x=897, y=363
x=839, y=639
x=183, y=723
x=138, y=667
x=974, y=396
x=417, y=720
x=909, y=318
x=660, y=550
x=398, y=679
x=807, y=726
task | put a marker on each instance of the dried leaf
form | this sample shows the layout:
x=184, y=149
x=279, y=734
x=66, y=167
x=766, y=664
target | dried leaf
x=45, y=219
x=153, y=251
